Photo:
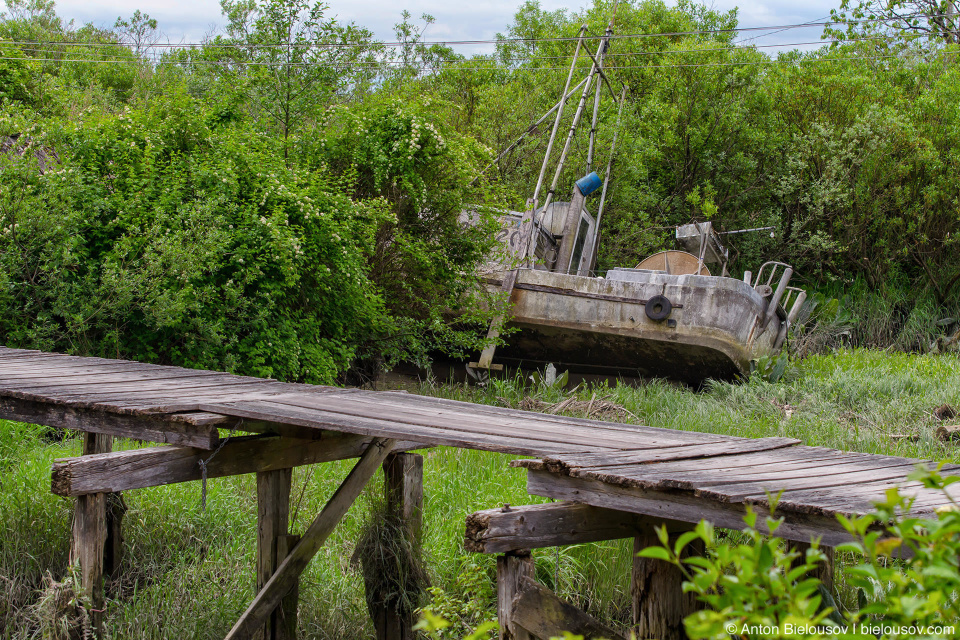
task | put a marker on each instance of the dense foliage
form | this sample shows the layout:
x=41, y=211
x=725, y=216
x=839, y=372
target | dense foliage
x=283, y=200
x=169, y=219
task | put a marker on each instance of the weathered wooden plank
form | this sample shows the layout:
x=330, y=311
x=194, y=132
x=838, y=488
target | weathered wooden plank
x=66, y=367
x=40, y=373
x=527, y=419
x=659, y=604
x=737, y=492
x=541, y=613
x=850, y=500
x=156, y=466
x=612, y=462
x=317, y=533
x=153, y=428
x=727, y=472
x=512, y=569
x=471, y=424
x=146, y=388
x=77, y=381
x=719, y=480
x=746, y=462
x=549, y=525
x=263, y=410
x=680, y=506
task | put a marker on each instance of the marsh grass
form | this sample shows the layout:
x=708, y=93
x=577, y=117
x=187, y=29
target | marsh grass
x=188, y=572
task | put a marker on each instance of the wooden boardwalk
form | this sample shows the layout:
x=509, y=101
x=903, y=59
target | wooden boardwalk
x=628, y=459
x=677, y=476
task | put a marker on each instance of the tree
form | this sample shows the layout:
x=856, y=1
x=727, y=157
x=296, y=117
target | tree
x=294, y=59
x=139, y=32
x=936, y=20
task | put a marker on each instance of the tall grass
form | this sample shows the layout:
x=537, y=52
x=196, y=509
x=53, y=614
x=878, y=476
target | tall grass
x=188, y=572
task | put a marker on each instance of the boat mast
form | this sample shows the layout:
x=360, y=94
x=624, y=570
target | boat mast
x=528, y=248
x=606, y=176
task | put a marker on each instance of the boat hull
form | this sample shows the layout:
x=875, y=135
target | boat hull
x=600, y=325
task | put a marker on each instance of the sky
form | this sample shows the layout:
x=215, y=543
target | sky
x=183, y=21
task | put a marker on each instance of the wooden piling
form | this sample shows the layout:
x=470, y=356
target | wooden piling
x=403, y=484
x=273, y=516
x=285, y=627
x=89, y=541
x=659, y=603
x=512, y=568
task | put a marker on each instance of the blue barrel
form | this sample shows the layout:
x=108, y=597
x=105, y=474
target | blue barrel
x=589, y=184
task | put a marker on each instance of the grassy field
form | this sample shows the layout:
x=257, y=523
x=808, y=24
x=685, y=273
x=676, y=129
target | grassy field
x=189, y=571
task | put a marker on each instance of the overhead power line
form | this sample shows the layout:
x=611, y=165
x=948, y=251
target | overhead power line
x=368, y=63
x=425, y=67
x=335, y=45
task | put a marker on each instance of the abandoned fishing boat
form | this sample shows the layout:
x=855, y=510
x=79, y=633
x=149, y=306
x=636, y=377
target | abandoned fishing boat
x=668, y=316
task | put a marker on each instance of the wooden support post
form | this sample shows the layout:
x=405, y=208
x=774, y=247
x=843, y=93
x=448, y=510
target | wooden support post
x=285, y=625
x=403, y=475
x=90, y=532
x=659, y=603
x=288, y=573
x=404, y=486
x=512, y=568
x=824, y=571
x=273, y=516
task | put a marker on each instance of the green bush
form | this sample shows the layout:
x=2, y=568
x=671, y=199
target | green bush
x=758, y=588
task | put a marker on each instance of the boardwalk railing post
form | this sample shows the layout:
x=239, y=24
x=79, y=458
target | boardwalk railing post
x=89, y=541
x=659, y=603
x=273, y=515
x=403, y=475
x=512, y=568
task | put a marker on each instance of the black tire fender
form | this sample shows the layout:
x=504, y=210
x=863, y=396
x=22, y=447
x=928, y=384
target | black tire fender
x=658, y=308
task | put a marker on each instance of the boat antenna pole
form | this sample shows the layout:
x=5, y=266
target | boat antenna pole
x=535, y=201
x=527, y=249
x=529, y=217
x=595, y=70
x=606, y=177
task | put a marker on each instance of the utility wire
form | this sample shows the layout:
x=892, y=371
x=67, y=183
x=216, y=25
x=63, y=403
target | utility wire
x=427, y=67
x=457, y=64
x=622, y=36
x=52, y=48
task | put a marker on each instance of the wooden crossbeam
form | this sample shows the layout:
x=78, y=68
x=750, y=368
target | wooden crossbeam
x=153, y=428
x=155, y=466
x=540, y=612
x=287, y=574
x=682, y=506
x=536, y=526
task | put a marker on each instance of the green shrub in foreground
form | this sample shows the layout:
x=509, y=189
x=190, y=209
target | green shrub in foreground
x=759, y=589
